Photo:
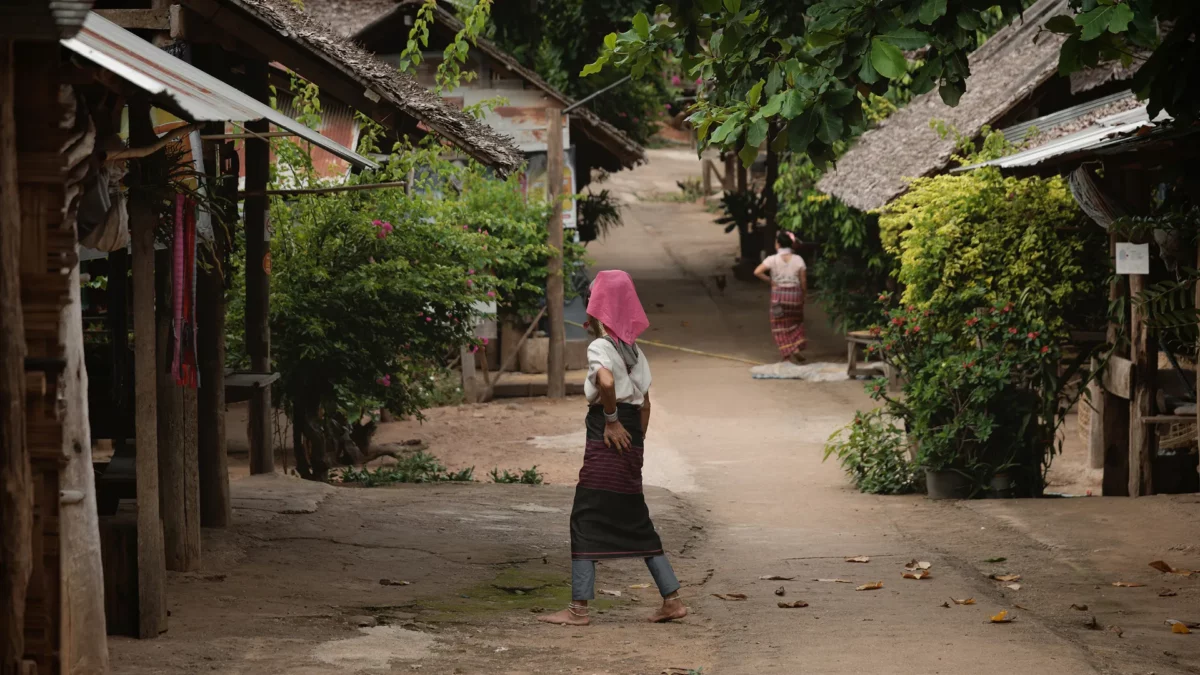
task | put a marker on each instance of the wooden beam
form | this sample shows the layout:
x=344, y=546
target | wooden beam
x=1112, y=418
x=16, y=490
x=1145, y=362
x=258, y=273
x=1118, y=377
x=556, y=374
x=138, y=19
x=143, y=221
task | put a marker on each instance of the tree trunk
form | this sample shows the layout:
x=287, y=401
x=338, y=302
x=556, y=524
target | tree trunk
x=79, y=537
x=771, y=207
x=16, y=489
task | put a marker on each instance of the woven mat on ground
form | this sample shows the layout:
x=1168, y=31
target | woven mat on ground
x=811, y=372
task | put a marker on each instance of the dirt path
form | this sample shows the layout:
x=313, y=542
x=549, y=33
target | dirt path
x=740, y=491
x=775, y=508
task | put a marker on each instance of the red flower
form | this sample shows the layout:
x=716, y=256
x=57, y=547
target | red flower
x=969, y=364
x=916, y=329
x=1045, y=349
x=972, y=321
x=1032, y=336
x=1007, y=308
x=876, y=330
x=1012, y=331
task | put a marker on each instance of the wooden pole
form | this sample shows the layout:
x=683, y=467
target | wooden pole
x=1145, y=370
x=258, y=266
x=151, y=561
x=85, y=643
x=556, y=375
x=1098, y=398
x=212, y=456
x=16, y=490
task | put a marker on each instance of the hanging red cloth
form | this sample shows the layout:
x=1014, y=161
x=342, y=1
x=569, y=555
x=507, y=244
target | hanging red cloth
x=183, y=282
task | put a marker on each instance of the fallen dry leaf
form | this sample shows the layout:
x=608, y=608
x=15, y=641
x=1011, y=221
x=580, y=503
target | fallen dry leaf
x=1024, y=609
x=640, y=586
x=730, y=596
x=1006, y=577
x=796, y=604
x=389, y=582
x=859, y=559
x=995, y=560
x=605, y=591
x=1002, y=617
x=775, y=577
x=834, y=581
x=1167, y=593
x=1165, y=568
x=1013, y=587
x=874, y=586
x=781, y=591
x=1181, y=627
x=1079, y=608
x=1118, y=630
x=945, y=605
x=967, y=601
x=1127, y=584
x=919, y=574
x=914, y=564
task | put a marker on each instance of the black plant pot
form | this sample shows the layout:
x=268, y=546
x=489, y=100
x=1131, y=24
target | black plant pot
x=948, y=484
x=1002, y=486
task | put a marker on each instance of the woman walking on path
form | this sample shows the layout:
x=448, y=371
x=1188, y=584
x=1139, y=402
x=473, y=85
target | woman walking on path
x=610, y=519
x=788, y=276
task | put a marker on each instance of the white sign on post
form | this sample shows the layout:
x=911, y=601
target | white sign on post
x=1133, y=258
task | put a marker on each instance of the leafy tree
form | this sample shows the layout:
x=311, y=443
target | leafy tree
x=796, y=65
x=535, y=32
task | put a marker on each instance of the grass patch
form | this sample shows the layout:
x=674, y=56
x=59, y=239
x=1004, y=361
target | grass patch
x=514, y=589
x=415, y=468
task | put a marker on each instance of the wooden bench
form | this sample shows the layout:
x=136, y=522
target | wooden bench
x=858, y=341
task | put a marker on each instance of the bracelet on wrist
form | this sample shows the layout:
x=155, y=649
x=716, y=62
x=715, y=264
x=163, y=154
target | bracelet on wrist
x=611, y=417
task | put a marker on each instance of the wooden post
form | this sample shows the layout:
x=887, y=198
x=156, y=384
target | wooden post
x=469, y=385
x=152, y=607
x=16, y=490
x=85, y=644
x=215, y=508
x=1145, y=371
x=177, y=462
x=258, y=271
x=556, y=374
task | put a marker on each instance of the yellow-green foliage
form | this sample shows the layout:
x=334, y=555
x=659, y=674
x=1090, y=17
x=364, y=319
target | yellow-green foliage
x=973, y=239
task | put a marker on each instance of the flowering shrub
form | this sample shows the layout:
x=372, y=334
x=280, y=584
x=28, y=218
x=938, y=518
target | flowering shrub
x=872, y=452
x=986, y=398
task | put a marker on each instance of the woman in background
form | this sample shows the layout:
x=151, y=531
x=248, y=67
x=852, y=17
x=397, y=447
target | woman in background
x=609, y=519
x=788, y=276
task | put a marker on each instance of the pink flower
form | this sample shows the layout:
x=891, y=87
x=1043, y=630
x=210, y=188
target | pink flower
x=464, y=228
x=668, y=106
x=470, y=283
x=470, y=272
x=622, y=114
x=382, y=234
x=386, y=381
x=676, y=81
x=699, y=81
x=485, y=341
x=491, y=294
x=377, y=223
x=428, y=319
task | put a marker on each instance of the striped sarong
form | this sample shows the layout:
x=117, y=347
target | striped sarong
x=787, y=320
x=610, y=518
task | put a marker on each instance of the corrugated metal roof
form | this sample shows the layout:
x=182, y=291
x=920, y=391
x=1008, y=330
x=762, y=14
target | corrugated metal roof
x=198, y=95
x=1017, y=132
x=1105, y=130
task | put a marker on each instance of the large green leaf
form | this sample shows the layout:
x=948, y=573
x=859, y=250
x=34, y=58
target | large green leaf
x=829, y=126
x=906, y=38
x=1102, y=19
x=774, y=105
x=755, y=93
x=756, y=133
x=801, y=131
x=734, y=6
x=641, y=25
x=887, y=59
x=730, y=128
x=931, y=10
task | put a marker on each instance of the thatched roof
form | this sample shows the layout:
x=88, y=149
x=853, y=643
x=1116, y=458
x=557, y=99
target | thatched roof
x=1004, y=72
x=383, y=90
x=347, y=17
x=625, y=152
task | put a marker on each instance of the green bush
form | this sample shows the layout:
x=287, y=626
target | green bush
x=872, y=451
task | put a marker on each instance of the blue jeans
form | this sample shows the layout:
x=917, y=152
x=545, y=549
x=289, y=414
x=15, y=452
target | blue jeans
x=583, y=577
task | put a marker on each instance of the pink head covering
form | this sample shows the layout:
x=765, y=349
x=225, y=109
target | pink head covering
x=615, y=303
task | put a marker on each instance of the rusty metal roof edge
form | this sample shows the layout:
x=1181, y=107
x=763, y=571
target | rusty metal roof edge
x=201, y=96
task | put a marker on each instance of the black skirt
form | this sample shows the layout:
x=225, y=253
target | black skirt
x=610, y=518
